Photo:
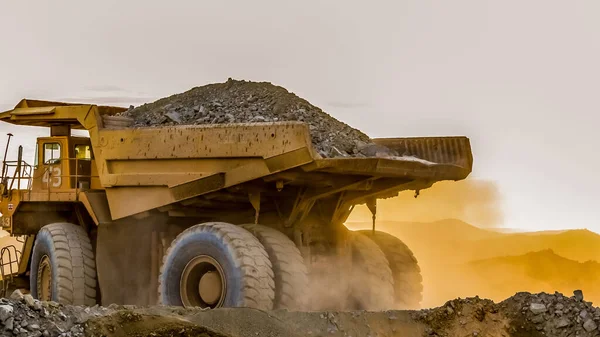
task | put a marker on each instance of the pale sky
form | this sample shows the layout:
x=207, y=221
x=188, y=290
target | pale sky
x=520, y=78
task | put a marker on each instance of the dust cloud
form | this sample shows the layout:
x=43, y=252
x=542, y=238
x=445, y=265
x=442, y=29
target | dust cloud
x=475, y=201
x=471, y=257
x=335, y=285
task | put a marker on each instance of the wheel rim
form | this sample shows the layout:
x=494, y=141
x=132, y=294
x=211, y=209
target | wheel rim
x=203, y=283
x=44, y=279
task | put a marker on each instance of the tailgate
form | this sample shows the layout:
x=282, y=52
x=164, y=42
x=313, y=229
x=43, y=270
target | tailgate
x=454, y=151
x=428, y=158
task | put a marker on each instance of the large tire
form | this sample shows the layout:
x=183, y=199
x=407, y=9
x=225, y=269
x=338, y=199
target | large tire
x=372, y=282
x=63, y=268
x=408, y=282
x=241, y=259
x=291, y=280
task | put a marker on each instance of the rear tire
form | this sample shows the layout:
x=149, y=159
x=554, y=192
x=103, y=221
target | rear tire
x=63, y=268
x=372, y=282
x=245, y=272
x=291, y=280
x=408, y=282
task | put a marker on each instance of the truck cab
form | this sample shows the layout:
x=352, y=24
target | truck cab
x=63, y=163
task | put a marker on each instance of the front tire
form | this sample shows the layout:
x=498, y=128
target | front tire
x=63, y=268
x=215, y=265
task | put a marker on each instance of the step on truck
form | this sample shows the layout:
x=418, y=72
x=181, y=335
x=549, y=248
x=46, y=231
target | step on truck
x=231, y=215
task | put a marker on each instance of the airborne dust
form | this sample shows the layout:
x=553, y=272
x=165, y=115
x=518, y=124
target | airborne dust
x=477, y=202
x=455, y=231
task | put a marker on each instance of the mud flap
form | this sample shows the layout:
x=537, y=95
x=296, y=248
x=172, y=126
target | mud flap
x=127, y=260
x=330, y=274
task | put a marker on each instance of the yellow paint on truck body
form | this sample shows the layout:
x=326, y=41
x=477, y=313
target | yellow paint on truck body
x=151, y=164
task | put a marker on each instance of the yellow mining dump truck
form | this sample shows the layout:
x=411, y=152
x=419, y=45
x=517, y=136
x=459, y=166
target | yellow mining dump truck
x=207, y=216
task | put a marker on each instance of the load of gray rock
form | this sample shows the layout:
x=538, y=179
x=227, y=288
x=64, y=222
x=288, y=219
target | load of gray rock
x=254, y=102
x=22, y=315
x=524, y=314
x=558, y=315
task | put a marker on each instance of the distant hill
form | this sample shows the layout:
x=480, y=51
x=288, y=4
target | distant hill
x=536, y=264
x=545, y=270
x=579, y=245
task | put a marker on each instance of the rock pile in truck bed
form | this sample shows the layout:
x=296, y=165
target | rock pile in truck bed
x=525, y=314
x=254, y=102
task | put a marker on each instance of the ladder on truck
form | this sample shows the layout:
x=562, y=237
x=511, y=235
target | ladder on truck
x=16, y=175
x=21, y=177
x=9, y=257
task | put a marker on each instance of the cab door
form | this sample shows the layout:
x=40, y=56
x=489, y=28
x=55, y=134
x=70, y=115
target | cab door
x=81, y=163
x=53, y=164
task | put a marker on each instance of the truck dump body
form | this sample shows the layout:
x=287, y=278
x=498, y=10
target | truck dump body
x=161, y=166
x=193, y=161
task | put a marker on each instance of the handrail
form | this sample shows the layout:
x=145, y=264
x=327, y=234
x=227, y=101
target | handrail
x=24, y=171
x=78, y=177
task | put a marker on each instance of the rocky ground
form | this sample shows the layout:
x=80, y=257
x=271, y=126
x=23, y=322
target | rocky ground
x=21, y=315
x=255, y=102
x=524, y=314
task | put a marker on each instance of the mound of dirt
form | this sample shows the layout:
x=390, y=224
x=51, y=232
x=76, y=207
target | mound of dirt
x=131, y=324
x=255, y=102
x=524, y=314
x=551, y=315
x=22, y=315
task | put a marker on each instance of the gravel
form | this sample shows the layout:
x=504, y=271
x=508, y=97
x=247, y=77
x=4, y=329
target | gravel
x=22, y=315
x=537, y=308
x=524, y=314
x=254, y=102
x=564, y=316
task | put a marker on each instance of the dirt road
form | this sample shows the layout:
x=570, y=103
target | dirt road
x=521, y=315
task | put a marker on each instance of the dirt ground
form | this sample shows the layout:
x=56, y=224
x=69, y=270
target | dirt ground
x=522, y=315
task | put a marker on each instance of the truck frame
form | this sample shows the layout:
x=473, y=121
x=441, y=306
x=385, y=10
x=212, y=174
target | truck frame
x=208, y=216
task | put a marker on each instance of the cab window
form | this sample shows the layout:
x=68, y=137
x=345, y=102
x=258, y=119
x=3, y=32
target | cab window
x=83, y=152
x=51, y=153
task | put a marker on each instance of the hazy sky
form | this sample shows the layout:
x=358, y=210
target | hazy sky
x=520, y=78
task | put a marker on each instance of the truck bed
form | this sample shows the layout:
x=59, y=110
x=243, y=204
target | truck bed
x=164, y=165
